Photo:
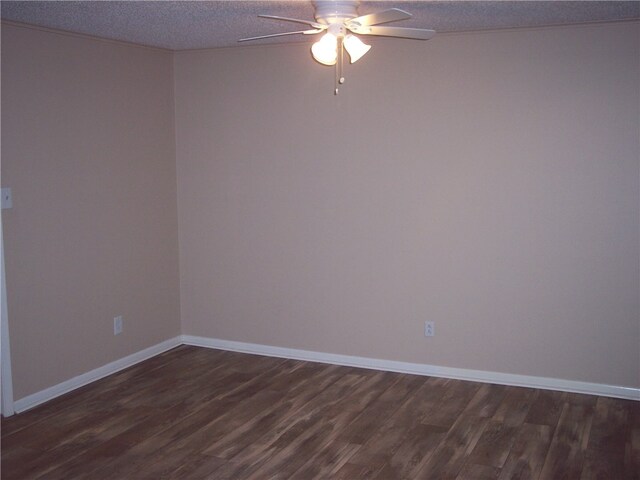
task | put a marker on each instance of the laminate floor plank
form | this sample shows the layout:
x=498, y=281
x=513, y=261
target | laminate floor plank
x=546, y=408
x=473, y=471
x=417, y=448
x=93, y=392
x=486, y=400
x=326, y=462
x=452, y=397
x=185, y=400
x=197, y=467
x=251, y=463
x=195, y=413
x=632, y=446
x=494, y=445
x=102, y=424
x=601, y=466
x=351, y=471
x=336, y=404
x=222, y=397
x=379, y=413
x=220, y=434
x=528, y=453
x=286, y=409
x=515, y=406
x=610, y=439
x=331, y=431
x=610, y=427
x=390, y=426
x=451, y=455
x=566, y=456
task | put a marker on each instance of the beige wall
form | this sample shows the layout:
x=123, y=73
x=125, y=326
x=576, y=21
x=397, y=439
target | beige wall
x=488, y=182
x=88, y=150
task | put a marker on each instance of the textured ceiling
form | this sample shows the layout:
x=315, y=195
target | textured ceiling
x=180, y=25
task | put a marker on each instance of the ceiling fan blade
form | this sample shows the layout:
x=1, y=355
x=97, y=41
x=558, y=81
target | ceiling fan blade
x=305, y=32
x=385, y=16
x=306, y=22
x=413, y=33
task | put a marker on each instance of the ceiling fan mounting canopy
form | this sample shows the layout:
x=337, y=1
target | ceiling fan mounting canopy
x=335, y=11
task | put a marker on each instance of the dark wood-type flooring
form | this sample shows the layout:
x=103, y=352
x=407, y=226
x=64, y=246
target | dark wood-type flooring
x=198, y=413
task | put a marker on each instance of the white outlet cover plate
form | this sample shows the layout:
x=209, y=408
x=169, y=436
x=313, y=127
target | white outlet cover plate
x=7, y=199
x=117, y=325
x=429, y=329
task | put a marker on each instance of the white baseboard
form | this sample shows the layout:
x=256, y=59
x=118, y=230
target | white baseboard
x=544, y=383
x=50, y=393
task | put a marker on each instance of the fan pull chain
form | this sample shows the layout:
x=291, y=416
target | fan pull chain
x=339, y=79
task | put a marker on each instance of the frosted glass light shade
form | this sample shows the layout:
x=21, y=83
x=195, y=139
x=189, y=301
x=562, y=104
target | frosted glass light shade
x=325, y=50
x=355, y=47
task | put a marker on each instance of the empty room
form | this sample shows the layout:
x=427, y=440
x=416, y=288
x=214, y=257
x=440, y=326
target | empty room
x=320, y=240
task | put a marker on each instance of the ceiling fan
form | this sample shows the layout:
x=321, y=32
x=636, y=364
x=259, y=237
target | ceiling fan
x=340, y=20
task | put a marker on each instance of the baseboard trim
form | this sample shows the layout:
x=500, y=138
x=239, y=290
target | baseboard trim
x=50, y=393
x=544, y=383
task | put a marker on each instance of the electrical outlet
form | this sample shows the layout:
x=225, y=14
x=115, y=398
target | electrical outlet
x=117, y=325
x=429, y=329
x=6, y=198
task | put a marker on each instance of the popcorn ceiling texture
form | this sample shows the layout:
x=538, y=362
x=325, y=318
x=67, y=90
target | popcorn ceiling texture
x=184, y=25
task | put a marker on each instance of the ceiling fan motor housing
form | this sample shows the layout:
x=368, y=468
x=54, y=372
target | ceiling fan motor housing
x=335, y=11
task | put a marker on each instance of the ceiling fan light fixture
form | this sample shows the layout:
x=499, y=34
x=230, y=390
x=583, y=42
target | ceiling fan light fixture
x=325, y=50
x=339, y=19
x=355, y=47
